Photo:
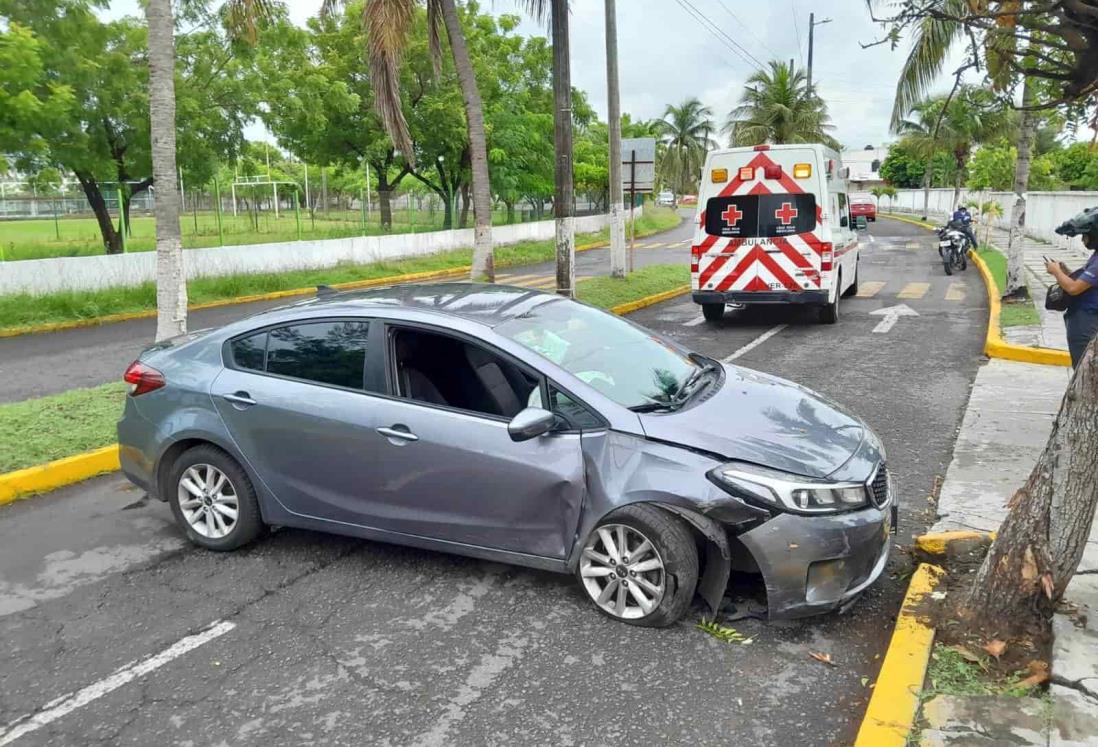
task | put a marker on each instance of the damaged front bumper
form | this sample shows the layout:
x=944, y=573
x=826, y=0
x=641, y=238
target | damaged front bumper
x=814, y=564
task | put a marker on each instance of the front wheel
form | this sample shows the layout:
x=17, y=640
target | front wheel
x=713, y=312
x=640, y=566
x=830, y=314
x=853, y=289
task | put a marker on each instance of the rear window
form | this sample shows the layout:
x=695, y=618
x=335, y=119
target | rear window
x=751, y=216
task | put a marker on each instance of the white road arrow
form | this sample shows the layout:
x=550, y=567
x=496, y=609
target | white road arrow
x=891, y=315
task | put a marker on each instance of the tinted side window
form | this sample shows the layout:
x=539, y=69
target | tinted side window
x=576, y=414
x=325, y=352
x=249, y=352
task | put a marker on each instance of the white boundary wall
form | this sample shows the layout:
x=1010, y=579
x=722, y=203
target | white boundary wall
x=1044, y=210
x=42, y=276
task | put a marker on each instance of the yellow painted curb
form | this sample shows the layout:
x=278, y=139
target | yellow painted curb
x=56, y=474
x=411, y=277
x=894, y=705
x=640, y=303
x=938, y=542
x=994, y=345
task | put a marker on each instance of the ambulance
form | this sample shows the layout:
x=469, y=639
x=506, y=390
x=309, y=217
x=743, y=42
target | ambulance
x=774, y=227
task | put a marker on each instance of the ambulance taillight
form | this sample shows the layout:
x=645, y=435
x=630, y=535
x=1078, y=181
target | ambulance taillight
x=695, y=257
x=773, y=171
x=826, y=257
x=747, y=173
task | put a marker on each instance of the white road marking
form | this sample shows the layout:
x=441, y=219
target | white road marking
x=694, y=322
x=891, y=315
x=755, y=343
x=66, y=704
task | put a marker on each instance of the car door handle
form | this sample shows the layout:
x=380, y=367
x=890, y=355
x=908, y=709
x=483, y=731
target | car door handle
x=239, y=398
x=403, y=435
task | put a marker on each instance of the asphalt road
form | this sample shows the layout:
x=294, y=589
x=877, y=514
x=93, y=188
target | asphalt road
x=329, y=640
x=37, y=365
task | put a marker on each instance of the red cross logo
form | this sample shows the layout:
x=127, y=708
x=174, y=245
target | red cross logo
x=786, y=214
x=732, y=215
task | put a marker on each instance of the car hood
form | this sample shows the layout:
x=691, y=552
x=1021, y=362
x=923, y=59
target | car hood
x=765, y=420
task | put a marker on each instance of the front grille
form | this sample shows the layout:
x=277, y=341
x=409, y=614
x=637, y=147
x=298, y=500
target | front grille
x=879, y=487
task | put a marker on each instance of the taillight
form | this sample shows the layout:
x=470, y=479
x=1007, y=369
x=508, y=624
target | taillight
x=142, y=378
x=695, y=257
x=826, y=257
x=772, y=171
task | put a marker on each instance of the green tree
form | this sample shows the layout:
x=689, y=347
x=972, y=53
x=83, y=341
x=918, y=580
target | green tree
x=992, y=167
x=1073, y=162
x=777, y=106
x=904, y=166
x=686, y=132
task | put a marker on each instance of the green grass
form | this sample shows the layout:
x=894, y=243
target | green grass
x=73, y=237
x=41, y=430
x=607, y=292
x=1013, y=314
x=24, y=310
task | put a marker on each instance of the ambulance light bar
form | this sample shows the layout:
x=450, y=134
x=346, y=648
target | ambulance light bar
x=747, y=173
x=719, y=176
x=802, y=170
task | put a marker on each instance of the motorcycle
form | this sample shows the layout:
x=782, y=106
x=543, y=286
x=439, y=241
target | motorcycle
x=953, y=249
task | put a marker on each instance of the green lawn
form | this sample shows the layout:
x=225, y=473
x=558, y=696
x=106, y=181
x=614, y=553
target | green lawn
x=72, y=237
x=40, y=430
x=1013, y=314
x=23, y=310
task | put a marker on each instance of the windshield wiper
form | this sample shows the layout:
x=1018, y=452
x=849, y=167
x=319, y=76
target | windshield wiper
x=694, y=383
x=652, y=407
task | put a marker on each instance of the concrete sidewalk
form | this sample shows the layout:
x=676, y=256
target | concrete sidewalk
x=1005, y=427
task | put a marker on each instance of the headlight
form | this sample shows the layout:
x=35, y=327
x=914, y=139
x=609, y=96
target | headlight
x=802, y=495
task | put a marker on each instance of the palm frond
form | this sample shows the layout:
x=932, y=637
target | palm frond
x=387, y=24
x=434, y=35
x=328, y=8
x=243, y=18
x=929, y=50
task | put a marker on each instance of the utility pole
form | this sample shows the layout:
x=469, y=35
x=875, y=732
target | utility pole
x=564, y=208
x=812, y=24
x=613, y=105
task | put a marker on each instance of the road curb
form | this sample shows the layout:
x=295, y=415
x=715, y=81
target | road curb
x=411, y=277
x=994, y=344
x=938, y=543
x=894, y=705
x=79, y=467
x=57, y=474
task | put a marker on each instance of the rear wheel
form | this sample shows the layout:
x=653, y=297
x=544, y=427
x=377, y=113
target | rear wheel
x=640, y=566
x=964, y=261
x=213, y=500
x=829, y=314
x=713, y=312
x=947, y=261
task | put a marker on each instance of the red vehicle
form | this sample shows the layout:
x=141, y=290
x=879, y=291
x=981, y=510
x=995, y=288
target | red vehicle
x=863, y=205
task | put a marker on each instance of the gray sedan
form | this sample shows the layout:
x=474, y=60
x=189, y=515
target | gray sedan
x=516, y=426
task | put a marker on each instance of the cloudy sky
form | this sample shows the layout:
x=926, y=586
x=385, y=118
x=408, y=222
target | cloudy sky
x=672, y=50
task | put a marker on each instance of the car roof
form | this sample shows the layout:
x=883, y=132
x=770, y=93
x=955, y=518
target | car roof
x=487, y=303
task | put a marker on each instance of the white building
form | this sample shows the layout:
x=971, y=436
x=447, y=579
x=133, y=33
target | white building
x=865, y=167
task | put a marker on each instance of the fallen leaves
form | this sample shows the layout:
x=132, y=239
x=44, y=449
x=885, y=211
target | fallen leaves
x=823, y=658
x=723, y=633
x=1039, y=674
x=966, y=654
x=995, y=647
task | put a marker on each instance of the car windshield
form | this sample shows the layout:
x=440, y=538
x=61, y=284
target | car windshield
x=621, y=361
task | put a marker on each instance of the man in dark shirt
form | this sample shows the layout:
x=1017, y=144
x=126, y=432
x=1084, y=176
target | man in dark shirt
x=1081, y=317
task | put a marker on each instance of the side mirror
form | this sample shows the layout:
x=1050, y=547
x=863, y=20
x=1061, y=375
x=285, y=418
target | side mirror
x=531, y=423
x=844, y=222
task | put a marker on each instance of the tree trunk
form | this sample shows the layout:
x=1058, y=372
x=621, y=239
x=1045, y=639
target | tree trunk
x=957, y=181
x=926, y=192
x=483, y=261
x=1015, y=286
x=1040, y=544
x=383, y=198
x=112, y=241
x=617, y=205
x=171, y=278
x=463, y=221
x=563, y=201
x=510, y=212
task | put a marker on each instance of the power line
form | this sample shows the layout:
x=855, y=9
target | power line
x=797, y=30
x=720, y=35
x=743, y=25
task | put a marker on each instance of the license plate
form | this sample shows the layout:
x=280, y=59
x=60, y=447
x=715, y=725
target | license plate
x=945, y=244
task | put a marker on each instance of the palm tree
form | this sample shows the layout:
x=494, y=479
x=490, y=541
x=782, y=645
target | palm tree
x=241, y=19
x=778, y=107
x=685, y=133
x=934, y=37
x=387, y=24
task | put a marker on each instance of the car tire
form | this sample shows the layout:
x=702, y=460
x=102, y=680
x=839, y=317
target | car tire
x=829, y=314
x=713, y=312
x=853, y=289
x=204, y=504
x=669, y=588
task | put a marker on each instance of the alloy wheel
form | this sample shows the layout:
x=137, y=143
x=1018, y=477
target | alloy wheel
x=208, y=501
x=623, y=572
